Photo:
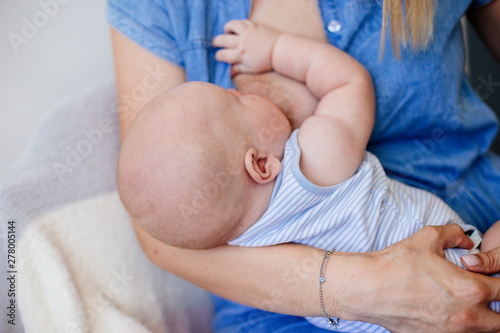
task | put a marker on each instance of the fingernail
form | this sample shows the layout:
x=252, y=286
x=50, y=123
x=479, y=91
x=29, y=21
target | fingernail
x=471, y=260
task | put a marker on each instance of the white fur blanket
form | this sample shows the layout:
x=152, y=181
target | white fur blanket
x=81, y=270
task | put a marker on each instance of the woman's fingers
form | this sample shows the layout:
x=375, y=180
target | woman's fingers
x=443, y=237
x=486, y=292
x=490, y=322
x=486, y=262
x=452, y=235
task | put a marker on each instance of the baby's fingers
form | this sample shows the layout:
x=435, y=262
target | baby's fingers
x=231, y=56
x=227, y=41
x=237, y=26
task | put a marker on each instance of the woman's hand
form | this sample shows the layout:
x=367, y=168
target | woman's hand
x=410, y=287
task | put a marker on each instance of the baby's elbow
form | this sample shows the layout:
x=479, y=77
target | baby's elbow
x=365, y=93
x=364, y=80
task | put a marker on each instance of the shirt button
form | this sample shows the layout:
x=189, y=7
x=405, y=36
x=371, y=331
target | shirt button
x=334, y=26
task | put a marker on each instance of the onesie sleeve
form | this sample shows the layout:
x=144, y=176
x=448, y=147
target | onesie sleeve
x=299, y=176
x=152, y=24
x=479, y=3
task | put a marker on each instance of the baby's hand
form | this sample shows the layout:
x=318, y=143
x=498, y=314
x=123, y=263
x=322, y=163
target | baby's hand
x=247, y=46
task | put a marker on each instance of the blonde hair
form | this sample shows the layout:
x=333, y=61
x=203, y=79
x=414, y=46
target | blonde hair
x=409, y=19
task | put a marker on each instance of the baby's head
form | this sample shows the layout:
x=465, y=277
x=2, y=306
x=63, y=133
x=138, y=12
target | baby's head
x=194, y=160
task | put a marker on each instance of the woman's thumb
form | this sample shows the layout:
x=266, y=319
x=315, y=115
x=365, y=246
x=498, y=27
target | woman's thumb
x=486, y=262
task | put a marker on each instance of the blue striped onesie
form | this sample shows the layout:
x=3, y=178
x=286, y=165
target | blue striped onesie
x=367, y=212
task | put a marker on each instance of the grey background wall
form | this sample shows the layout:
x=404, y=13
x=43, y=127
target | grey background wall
x=49, y=49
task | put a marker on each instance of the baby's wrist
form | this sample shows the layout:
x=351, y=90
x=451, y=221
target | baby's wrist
x=274, y=37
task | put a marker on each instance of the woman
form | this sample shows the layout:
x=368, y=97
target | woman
x=424, y=135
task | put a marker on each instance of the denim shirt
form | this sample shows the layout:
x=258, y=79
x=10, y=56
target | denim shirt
x=430, y=126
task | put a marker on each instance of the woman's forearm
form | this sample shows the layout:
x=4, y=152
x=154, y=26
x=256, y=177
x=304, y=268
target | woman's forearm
x=140, y=76
x=280, y=278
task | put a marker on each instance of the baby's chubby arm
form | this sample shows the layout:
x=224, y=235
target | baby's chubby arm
x=332, y=140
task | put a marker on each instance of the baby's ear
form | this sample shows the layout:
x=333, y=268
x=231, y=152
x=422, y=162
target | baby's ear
x=262, y=168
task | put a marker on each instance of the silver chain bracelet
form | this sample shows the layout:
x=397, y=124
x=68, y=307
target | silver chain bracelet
x=333, y=322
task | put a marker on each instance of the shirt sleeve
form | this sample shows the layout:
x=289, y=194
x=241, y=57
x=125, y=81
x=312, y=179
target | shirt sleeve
x=479, y=3
x=151, y=24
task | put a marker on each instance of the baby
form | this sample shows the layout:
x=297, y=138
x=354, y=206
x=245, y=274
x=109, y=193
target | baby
x=204, y=166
